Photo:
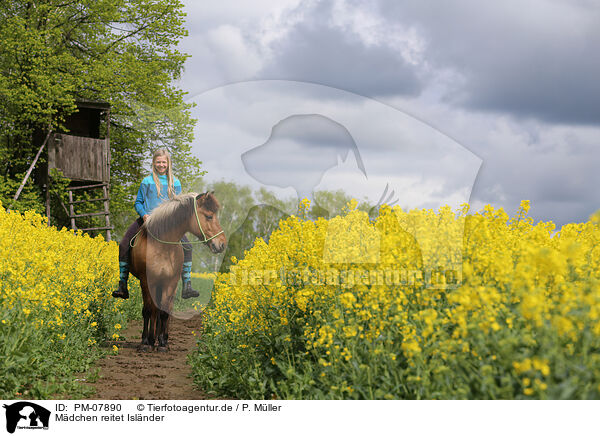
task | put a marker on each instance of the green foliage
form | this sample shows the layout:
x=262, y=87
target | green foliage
x=247, y=214
x=328, y=204
x=121, y=52
x=241, y=218
x=30, y=198
x=203, y=286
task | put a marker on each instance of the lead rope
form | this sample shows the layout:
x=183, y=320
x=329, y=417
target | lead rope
x=132, y=242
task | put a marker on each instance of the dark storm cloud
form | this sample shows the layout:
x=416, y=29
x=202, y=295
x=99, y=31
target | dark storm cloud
x=318, y=52
x=534, y=59
x=560, y=183
x=514, y=82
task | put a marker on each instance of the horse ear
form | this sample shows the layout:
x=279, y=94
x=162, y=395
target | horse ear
x=212, y=192
x=199, y=196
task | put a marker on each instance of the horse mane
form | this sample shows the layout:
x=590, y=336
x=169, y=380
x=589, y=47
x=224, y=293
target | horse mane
x=176, y=211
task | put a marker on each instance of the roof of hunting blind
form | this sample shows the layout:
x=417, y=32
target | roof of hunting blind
x=92, y=104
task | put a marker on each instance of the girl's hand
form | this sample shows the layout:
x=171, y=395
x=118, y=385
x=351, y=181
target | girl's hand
x=145, y=217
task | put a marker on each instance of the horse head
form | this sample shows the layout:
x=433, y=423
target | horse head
x=205, y=223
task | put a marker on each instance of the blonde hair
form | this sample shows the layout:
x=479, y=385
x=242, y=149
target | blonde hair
x=169, y=174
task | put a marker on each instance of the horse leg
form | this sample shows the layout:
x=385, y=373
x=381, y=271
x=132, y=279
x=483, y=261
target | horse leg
x=151, y=321
x=166, y=307
x=154, y=326
x=163, y=336
x=145, y=345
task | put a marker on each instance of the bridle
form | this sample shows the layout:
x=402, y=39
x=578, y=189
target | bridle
x=132, y=242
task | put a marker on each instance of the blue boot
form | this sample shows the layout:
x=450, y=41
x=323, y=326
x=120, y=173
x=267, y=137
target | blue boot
x=186, y=282
x=187, y=291
x=122, y=292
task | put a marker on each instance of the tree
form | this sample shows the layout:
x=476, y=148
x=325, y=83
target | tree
x=331, y=203
x=54, y=52
x=236, y=201
x=248, y=214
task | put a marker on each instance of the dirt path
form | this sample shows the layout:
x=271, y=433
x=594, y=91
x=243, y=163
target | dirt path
x=153, y=375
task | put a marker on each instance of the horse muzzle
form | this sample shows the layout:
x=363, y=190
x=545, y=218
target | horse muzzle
x=216, y=246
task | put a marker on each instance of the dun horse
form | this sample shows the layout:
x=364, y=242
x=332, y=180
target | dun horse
x=157, y=257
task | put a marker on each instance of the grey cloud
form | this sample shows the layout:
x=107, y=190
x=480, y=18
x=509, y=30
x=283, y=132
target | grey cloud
x=561, y=185
x=312, y=144
x=315, y=51
x=535, y=59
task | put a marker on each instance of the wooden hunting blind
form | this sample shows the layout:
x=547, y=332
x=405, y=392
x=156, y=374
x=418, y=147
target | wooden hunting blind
x=84, y=157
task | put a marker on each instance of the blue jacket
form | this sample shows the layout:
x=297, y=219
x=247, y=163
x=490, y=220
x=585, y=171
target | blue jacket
x=147, y=198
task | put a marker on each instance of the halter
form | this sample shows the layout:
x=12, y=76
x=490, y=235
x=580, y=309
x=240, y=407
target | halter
x=132, y=242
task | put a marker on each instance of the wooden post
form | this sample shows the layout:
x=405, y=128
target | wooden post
x=63, y=206
x=48, y=198
x=107, y=187
x=107, y=139
x=37, y=156
x=71, y=210
x=106, y=217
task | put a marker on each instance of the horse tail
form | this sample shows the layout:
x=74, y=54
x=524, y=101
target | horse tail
x=158, y=292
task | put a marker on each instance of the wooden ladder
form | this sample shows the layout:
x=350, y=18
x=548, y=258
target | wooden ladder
x=105, y=198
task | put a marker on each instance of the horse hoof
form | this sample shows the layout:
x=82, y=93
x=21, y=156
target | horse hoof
x=144, y=348
x=162, y=349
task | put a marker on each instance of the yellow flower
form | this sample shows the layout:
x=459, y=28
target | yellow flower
x=348, y=299
x=441, y=291
x=346, y=354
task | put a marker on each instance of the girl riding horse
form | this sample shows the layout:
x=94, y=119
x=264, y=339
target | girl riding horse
x=155, y=189
x=157, y=257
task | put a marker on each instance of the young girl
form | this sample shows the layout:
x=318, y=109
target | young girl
x=155, y=189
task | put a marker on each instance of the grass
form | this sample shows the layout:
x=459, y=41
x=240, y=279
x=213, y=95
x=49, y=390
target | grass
x=203, y=286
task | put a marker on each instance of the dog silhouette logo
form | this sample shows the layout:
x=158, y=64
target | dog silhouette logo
x=310, y=142
x=314, y=144
x=298, y=140
x=26, y=415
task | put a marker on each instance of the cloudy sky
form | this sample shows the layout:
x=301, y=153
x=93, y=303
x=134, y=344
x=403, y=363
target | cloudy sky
x=445, y=102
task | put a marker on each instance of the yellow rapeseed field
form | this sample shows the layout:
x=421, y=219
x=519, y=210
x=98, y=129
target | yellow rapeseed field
x=419, y=304
x=55, y=303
